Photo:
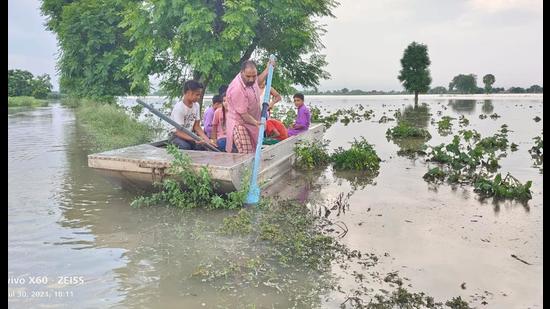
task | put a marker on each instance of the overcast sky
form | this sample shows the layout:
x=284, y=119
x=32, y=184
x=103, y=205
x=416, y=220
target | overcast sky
x=365, y=41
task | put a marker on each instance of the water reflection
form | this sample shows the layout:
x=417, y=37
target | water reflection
x=417, y=115
x=487, y=106
x=358, y=180
x=462, y=106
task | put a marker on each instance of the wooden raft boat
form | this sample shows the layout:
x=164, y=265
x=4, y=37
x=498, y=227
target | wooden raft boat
x=141, y=165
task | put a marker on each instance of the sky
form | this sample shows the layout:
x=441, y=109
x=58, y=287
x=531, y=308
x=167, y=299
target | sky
x=366, y=40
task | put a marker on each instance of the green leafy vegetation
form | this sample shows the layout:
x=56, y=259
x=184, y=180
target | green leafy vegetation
x=191, y=188
x=406, y=130
x=444, y=126
x=310, y=155
x=361, y=156
x=22, y=83
x=354, y=114
x=212, y=38
x=471, y=159
x=507, y=187
x=93, y=48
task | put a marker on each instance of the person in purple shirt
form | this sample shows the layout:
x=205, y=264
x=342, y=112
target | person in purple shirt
x=302, y=119
x=209, y=114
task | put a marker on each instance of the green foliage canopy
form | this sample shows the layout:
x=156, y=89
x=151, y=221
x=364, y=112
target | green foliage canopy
x=414, y=74
x=93, y=47
x=23, y=83
x=207, y=41
x=464, y=83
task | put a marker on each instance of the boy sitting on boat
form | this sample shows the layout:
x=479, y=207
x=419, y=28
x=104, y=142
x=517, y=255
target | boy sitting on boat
x=187, y=113
x=303, y=118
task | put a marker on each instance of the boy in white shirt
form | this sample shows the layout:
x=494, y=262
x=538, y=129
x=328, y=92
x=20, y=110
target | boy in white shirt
x=187, y=113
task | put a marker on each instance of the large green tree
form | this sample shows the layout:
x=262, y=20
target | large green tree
x=414, y=74
x=41, y=86
x=464, y=83
x=22, y=83
x=207, y=40
x=19, y=83
x=488, y=80
x=93, y=47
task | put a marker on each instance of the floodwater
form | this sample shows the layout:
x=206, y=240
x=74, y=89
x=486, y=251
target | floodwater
x=75, y=242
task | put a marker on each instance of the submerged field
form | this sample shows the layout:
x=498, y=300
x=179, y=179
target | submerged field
x=349, y=237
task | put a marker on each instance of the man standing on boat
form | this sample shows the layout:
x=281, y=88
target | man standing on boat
x=243, y=117
x=187, y=113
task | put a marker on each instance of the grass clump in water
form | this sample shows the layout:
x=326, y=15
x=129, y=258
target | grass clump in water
x=310, y=155
x=406, y=130
x=444, y=126
x=463, y=121
x=26, y=101
x=360, y=157
x=191, y=188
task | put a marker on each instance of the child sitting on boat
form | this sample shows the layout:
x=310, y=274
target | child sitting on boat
x=303, y=118
x=219, y=133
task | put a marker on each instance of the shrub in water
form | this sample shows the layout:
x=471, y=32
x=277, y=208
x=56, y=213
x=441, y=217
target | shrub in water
x=360, y=157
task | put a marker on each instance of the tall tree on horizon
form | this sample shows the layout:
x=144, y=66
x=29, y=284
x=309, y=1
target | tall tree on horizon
x=414, y=74
x=488, y=80
x=464, y=83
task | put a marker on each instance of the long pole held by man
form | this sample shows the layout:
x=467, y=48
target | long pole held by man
x=254, y=191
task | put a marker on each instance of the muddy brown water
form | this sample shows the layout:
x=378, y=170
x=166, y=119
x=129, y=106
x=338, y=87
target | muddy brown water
x=74, y=241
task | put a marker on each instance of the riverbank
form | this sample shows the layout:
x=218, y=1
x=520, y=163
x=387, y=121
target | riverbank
x=26, y=102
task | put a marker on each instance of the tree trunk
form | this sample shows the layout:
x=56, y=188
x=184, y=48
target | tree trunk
x=218, y=22
x=249, y=51
x=415, y=98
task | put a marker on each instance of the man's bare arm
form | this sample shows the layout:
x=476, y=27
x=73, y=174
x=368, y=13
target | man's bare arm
x=250, y=120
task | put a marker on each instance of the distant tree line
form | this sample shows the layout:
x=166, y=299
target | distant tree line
x=461, y=84
x=23, y=83
x=346, y=91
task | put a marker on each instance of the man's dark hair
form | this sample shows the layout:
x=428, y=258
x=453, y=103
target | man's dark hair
x=217, y=99
x=299, y=95
x=248, y=64
x=222, y=89
x=192, y=85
